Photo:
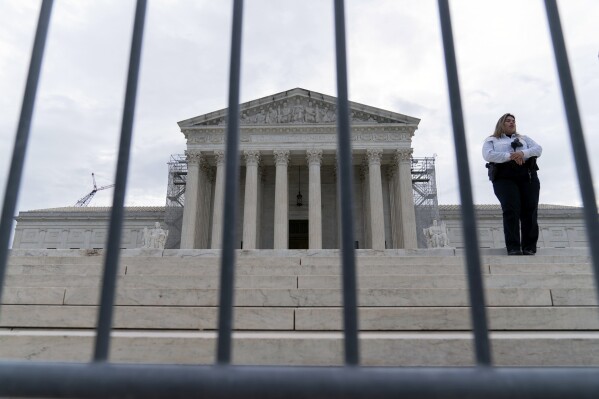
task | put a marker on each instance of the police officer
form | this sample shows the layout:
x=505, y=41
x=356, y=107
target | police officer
x=513, y=171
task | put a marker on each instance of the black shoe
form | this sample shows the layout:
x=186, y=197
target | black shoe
x=528, y=252
x=514, y=252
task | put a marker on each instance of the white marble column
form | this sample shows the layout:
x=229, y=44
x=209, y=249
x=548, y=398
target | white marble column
x=403, y=158
x=281, y=233
x=190, y=210
x=367, y=226
x=217, y=207
x=205, y=205
x=393, y=219
x=250, y=207
x=397, y=206
x=314, y=157
x=377, y=219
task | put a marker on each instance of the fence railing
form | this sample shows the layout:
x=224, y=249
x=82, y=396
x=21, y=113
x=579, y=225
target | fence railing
x=101, y=379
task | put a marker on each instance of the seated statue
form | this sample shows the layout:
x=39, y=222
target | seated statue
x=154, y=238
x=436, y=236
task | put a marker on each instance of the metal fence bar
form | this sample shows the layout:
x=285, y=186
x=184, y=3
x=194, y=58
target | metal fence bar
x=583, y=169
x=475, y=282
x=13, y=183
x=350, y=308
x=102, y=380
x=111, y=260
x=227, y=276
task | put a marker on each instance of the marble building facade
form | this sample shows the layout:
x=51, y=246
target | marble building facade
x=288, y=146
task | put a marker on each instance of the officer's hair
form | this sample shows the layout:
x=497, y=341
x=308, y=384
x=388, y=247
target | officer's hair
x=499, y=125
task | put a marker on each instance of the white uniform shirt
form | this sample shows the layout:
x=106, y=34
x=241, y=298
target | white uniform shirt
x=498, y=150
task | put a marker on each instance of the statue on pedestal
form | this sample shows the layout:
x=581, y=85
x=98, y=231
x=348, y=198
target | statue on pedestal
x=154, y=238
x=436, y=236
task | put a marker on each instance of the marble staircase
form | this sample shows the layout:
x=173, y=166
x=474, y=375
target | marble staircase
x=413, y=307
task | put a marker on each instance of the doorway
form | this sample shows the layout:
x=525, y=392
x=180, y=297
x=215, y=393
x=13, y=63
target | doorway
x=298, y=234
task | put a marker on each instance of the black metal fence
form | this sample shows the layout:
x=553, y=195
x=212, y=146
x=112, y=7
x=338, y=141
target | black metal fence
x=102, y=379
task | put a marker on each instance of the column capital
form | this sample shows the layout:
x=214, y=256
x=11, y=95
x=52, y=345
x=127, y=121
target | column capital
x=194, y=157
x=281, y=157
x=314, y=156
x=252, y=157
x=374, y=156
x=219, y=155
x=403, y=154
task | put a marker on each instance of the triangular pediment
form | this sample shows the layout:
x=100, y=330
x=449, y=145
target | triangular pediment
x=299, y=107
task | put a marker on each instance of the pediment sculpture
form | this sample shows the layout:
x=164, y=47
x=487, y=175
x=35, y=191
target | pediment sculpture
x=299, y=110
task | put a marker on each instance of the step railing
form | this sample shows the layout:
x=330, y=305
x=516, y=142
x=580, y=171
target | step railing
x=100, y=378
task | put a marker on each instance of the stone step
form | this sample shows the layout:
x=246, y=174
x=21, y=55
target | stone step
x=170, y=282
x=144, y=317
x=193, y=297
x=279, y=297
x=454, y=281
x=307, y=348
x=178, y=269
x=303, y=319
x=451, y=318
x=151, y=281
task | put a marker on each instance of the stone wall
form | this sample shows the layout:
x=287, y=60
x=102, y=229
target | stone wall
x=81, y=228
x=560, y=226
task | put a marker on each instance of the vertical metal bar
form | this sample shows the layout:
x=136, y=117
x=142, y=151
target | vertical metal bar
x=475, y=282
x=350, y=307
x=227, y=276
x=583, y=169
x=111, y=260
x=13, y=183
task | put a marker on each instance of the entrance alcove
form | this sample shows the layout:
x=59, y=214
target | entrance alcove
x=298, y=234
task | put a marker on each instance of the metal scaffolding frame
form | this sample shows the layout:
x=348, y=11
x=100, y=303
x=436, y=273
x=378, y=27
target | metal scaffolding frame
x=175, y=198
x=424, y=187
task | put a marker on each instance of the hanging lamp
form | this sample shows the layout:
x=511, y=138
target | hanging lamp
x=299, y=193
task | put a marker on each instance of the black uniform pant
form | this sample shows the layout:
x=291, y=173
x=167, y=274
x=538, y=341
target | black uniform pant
x=519, y=198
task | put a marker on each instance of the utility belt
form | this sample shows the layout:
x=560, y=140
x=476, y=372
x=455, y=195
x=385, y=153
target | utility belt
x=511, y=170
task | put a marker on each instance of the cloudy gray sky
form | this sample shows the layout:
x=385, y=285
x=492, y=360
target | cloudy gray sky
x=505, y=63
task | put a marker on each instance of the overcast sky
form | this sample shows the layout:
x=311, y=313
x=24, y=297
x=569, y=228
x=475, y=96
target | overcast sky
x=505, y=63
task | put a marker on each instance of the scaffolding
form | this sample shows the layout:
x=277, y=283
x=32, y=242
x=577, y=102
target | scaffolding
x=424, y=187
x=175, y=198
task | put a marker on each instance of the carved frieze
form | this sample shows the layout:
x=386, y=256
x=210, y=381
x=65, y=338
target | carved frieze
x=297, y=110
x=294, y=136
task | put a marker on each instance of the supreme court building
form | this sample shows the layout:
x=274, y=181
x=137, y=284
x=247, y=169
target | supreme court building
x=288, y=188
x=288, y=179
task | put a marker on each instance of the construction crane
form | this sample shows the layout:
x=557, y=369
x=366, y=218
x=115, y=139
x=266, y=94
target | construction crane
x=85, y=200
